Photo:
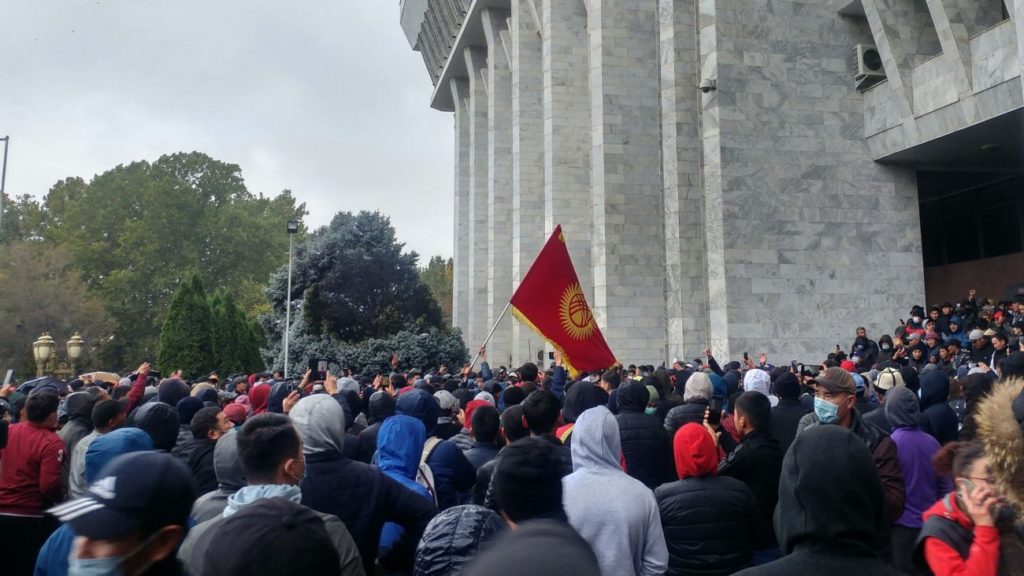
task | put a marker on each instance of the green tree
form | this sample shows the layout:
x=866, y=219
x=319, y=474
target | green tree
x=136, y=229
x=186, y=338
x=351, y=282
x=236, y=347
x=438, y=276
x=41, y=291
x=22, y=219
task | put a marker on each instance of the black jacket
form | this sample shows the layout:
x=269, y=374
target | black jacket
x=785, y=417
x=757, y=462
x=938, y=419
x=692, y=411
x=366, y=443
x=645, y=443
x=709, y=524
x=197, y=453
x=830, y=515
x=364, y=499
x=481, y=453
x=454, y=537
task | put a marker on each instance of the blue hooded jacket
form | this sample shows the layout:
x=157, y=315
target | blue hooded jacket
x=452, y=472
x=53, y=556
x=399, y=445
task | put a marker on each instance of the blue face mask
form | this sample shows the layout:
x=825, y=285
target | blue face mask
x=110, y=566
x=826, y=411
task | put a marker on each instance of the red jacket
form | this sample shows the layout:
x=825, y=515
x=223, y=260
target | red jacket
x=983, y=559
x=30, y=472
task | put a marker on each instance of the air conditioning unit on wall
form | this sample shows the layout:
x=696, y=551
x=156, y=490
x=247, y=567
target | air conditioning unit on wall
x=867, y=64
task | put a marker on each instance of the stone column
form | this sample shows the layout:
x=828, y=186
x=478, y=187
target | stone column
x=628, y=241
x=499, y=186
x=686, y=279
x=567, y=131
x=478, y=206
x=460, y=259
x=527, y=160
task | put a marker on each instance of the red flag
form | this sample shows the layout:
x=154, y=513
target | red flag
x=550, y=300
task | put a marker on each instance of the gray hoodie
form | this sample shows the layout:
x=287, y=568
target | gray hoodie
x=229, y=479
x=902, y=409
x=320, y=421
x=615, y=513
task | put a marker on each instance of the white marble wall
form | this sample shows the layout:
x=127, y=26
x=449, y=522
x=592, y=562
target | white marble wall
x=478, y=258
x=460, y=256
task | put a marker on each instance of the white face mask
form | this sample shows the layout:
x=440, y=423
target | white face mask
x=110, y=566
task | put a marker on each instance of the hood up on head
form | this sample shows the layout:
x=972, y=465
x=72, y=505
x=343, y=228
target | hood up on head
x=582, y=396
x=830, y=496
x=158, y=420
x=382, y=405
x=758, y=380
x=470, y=409
x=1000, y=421
x=258, y=398
x=902, y=409
x=934, y=388
x=632, y=397
x=400, y=444
x=321, y=424
x=698, y=386
x=79, y=406
x=595, y=441
x=171, y=390
x=422, y=406
x=226, y=464
x=695, y=451
x=111, y=445
x=911, y=378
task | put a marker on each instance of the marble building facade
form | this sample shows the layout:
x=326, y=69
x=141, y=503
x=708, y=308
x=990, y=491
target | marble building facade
x=774, y=211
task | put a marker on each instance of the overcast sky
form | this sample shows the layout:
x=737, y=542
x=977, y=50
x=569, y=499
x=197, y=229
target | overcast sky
x=323, y=97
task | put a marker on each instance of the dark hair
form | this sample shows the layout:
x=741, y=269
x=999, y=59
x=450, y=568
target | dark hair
x=513, y=395
x=612, y=378
x=528, y=372
x=264, y=441
x=105, y=411
x=512, y=423
x=204, y=420
x=955, y=458
x=40, y=405
x=527, y=388
x=398, y=381
x=541, y=410
x=485, y=424
x=528, y=480
x=756, y=408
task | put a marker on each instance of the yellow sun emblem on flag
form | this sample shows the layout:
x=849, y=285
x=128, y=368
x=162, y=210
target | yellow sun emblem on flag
x=577, y=320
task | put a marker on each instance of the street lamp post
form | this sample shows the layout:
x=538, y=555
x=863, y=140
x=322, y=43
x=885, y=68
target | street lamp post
x=41, y=351
x=293, y=229
x=75, y=346
x=3, y=180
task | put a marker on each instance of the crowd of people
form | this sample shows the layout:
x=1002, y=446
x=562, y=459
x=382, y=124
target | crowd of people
x=901, y=456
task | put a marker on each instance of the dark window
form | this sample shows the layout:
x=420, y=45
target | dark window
x=969, y=216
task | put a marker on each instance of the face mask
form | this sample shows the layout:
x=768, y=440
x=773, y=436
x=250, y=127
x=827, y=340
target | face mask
x=916, y=319
x=827, y=412
x=299, y=479
x=110, y=566
x=886, y=347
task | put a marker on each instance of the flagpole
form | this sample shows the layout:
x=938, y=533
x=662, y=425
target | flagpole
x=489, y=334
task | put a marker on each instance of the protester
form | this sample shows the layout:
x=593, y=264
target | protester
x=79, y=407
x=539, y=548
x=30, y=482
x=1000, y=418
x=381, y=407
x=835, y=396
x=277, y=537
x=542, y=415
x=696, y=398
x=888, y=379
x=615, y=513
x=787, y=413
x=187, y=408
x=107, y=416
x=158, y=420
x=830, y=514
x=757, y=462
x=454, y=537
x=528, y=482
x=915, y=449
x=708, y=521
x=939, y=419
x=207, y=426
x=271, y=454
x=53, y=557
x=399, y=450
x=453, y=474
x=512, y=429
x=371, y=497
x=230, y=479
x=484, y=428
x=133, y=518
x=961, y=532
x=645, y=444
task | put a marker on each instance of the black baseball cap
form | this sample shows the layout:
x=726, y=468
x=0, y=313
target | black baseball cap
x=137, y=491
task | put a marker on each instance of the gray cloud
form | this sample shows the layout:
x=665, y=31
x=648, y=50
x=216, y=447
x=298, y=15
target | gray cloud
x=323, y=97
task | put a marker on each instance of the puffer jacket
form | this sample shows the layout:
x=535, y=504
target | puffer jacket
x=709, y=521
x=453, y=474
x=939, y=420
x=645, y=444
x=690, y=412
x=228, y=469
x=370, y=497
x=453, y=538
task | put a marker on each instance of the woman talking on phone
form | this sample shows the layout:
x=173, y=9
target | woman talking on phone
x=960, y=533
